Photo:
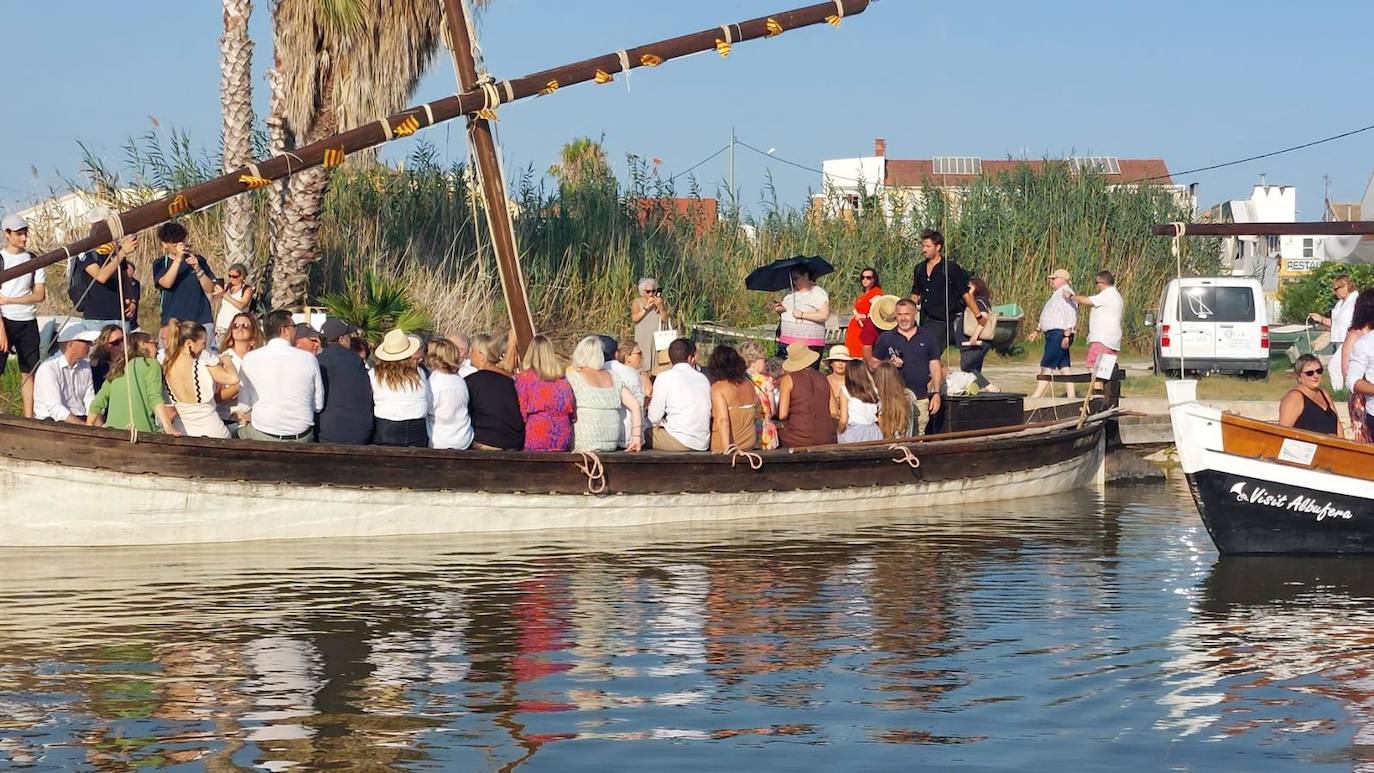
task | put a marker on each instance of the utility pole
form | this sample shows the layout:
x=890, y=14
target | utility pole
x=734, y=194
x=493, y=184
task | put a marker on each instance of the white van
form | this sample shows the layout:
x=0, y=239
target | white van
x=1212, y=324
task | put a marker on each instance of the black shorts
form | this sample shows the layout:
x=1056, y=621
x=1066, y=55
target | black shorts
x=23, y=338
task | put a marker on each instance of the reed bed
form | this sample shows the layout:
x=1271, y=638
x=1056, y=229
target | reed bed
x=585, y=247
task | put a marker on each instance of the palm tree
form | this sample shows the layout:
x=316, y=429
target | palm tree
x=338, y=64
x=236, y=102
x=582, y=163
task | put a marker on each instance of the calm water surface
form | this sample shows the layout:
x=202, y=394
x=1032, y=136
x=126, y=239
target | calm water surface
x=1088, y=632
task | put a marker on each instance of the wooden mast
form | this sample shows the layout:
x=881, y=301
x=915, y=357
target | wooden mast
x=492, y=180
x=331, y=150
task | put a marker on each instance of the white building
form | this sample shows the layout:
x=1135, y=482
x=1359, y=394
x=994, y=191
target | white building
x=1269, y=258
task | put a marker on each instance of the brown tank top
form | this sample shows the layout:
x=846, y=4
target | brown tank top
x=808, y=414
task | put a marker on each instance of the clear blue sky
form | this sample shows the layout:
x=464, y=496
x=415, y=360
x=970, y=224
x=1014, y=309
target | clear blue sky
x=1193, y=83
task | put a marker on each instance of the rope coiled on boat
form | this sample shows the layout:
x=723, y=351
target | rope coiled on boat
x=735, y=452
x=905, y=456
x=591, y=467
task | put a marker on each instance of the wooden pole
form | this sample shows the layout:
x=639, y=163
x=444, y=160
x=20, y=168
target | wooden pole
x=408, y=121
x=493, y=182
x=1337, y=228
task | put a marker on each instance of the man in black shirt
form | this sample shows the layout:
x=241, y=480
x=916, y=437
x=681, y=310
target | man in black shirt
x=101, y=303
x=347, y=414
x=940, y=286
x=914, y=353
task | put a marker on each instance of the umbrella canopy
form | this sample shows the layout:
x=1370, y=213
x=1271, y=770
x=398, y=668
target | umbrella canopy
x=777, y=276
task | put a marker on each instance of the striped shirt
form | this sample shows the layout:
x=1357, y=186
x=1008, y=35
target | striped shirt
x=1059, y=313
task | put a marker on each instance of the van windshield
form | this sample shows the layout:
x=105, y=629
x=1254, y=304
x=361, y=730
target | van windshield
x=1217, y=304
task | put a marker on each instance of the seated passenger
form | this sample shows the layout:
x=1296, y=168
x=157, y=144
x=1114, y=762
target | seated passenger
x=1308, y=406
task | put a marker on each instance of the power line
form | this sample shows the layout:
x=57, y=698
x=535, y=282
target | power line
x=689, y=169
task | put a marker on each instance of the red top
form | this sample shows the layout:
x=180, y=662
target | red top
x=859, y=333
x=548, y=409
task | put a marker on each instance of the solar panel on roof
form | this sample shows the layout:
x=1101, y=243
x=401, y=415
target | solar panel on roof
x=1099, y=164
x=961, y=165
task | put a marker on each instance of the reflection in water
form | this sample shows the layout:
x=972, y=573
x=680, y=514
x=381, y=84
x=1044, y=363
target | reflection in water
x=1084, y=626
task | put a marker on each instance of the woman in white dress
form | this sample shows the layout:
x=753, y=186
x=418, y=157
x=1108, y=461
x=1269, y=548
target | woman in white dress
x=237, y=297
x=859, y=405
x=448, y=420
x=242, y=336
x=191, y=375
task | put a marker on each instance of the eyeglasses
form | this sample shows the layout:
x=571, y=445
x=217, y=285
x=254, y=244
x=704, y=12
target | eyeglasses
x=1316, y=372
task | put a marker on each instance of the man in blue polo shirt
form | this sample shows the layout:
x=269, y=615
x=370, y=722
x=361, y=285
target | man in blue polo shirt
x=917, y=357
x=186, y=281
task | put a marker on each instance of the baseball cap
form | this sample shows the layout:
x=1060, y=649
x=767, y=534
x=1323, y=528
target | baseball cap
x=76, y=332
x=1060, y=273
x=14, y=222
x=333, y=328
x=304, y=330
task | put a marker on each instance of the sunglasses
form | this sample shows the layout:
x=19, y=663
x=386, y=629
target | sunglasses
x=867, y=276
x=236, y=276
x=241, y=326
x=1316, y=372
x=654, y=292
x=116, y=342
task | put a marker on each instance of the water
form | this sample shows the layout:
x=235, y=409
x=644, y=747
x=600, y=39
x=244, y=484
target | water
x=1085, y=632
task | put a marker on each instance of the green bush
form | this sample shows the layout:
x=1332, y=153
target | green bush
x=1313, y=292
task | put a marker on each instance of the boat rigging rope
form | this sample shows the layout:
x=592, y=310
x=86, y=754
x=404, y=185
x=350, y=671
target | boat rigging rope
x=624, y=57
x=125, y=329
x=735, y=452
x=591, y=467
x=904, y=456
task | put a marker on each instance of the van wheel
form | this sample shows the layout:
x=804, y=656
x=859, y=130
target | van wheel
x=1258, y=375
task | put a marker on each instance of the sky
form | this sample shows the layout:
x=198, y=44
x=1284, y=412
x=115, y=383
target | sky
x=1192, y=83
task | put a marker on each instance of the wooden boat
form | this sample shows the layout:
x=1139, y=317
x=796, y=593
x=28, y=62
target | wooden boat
x=1009, y=318
x=1264, y=488
x=67, y=485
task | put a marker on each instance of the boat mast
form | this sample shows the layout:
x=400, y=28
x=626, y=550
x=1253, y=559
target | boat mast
x=484, y=152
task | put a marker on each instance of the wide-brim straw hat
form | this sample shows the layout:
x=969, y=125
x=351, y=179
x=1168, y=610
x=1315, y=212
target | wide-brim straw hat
x=799, y=357
x=883, y=312
x=397, y=346
x=838, y=352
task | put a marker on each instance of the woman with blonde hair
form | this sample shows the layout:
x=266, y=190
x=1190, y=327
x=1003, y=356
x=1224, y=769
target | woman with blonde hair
x=237, y=297
x=242, y=335
x=108, y=347
x=400, y=393
x=765, y=389
x=894, y=405
x=448, y=421
x=493, y=404
x=599, y=399
x=632, y=355
x=191, y=376
x=546, y=398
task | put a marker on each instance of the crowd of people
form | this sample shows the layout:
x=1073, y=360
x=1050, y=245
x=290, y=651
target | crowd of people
x=215, y=369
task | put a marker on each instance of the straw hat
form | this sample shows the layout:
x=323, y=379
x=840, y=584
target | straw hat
x=799, y=357
x=397, y=346
x=883, y=312
x=838, y=352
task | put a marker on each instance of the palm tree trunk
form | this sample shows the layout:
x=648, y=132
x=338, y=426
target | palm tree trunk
x=298, y=230
x=236, y=101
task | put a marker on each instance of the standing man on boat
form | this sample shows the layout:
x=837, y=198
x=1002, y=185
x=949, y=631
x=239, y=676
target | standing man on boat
x=1058, y=320
x=98, y=278
x=1104, y=321
x=916, y=354
x=1338, y=323
x=186, y=281
x=19, y=299
x=940, y=288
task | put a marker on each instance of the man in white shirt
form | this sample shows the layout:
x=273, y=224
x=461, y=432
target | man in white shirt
x=19, y=299
x=63, y=386
x=1339, y=323
x=281, y=386
x=1104, y=321
x=1058, y=320
x=681, y=406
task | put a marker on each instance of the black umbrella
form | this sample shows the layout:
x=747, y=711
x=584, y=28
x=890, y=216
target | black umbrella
x=777, y=276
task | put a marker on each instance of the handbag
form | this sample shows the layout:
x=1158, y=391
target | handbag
x=664, y=336
x=971, y=324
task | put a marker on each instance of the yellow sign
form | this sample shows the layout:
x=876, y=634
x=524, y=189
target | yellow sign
x=1296, y=267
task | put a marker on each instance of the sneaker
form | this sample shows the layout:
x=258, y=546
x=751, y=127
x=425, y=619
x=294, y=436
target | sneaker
x=992, y=388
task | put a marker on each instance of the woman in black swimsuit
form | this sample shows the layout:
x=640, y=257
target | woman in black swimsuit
x=1307, y=406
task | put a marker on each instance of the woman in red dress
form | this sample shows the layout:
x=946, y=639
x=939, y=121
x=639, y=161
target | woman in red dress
x=861, y=331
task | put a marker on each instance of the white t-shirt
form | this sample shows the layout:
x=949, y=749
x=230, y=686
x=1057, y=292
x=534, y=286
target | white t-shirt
x=803, y=330
x=1104, y=321
x=1341, y=315
x=449, y=424
x=1361, y=360
x=20, y=285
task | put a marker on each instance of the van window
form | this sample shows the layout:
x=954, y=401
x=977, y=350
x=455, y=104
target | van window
x=1217, y=304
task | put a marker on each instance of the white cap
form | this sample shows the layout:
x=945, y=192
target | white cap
x=14, y=222
x=77, y=332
